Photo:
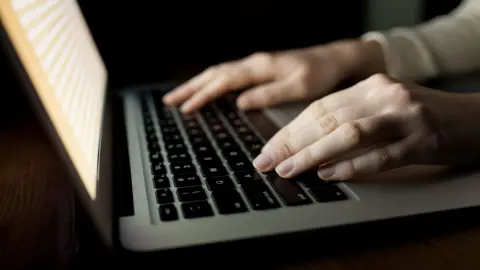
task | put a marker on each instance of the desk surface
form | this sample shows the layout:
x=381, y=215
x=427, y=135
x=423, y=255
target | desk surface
x=36, y=217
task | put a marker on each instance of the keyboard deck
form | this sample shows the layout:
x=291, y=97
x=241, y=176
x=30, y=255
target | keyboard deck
x=204, y=161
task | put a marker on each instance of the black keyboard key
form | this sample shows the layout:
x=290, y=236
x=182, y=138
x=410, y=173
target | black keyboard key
x=231, y=115
x=149, y=129
x=191, y=132
x=187, y=180
x=227, y=143
x=310, y=179
x=247, y=178
x=249, y=138
x=164, y=196
x=182, y=168
x=186, y=194
x=172, y=138
x=147, y=119
x=237, y=122
x=203, y=148
x=156, y=157
x=222, y=135
x=191, y=124
x=329, y=193
x=289, y=191
x=179, y=157
x=213, y=170
x=169, y=122
x=197, y=209
x=252, y=147
x=187, y=117
x=220, y=183
x=158, y=169
x=260, y=197
x=196, y=140
x=217, y=128
x=169, y=130
x=153, y=146
x=161, y=181
x=152, y=137
x=242, y=129
x=235, y=153
x=208, y=159
x=240, y=164
x=229, y=202
x=176, y=147
x=168, y=212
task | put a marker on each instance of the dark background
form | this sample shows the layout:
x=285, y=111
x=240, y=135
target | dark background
x=159, y=37
x=148, y=40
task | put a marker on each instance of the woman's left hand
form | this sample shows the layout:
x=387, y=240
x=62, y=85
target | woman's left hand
x=375, y=125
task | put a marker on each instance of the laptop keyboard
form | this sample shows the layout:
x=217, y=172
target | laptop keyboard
x=203, y=162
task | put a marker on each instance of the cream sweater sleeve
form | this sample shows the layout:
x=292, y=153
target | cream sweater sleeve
x=446, y=45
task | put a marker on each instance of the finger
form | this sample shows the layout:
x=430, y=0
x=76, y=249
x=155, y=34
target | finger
x=347, y=138
x=313, y=131
x=267, y=95
x=186, y=90
x=375, y=161
x=316, y=110
x=252, y=70
x=220, y=85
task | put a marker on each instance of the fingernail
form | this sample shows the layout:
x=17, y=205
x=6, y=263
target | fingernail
x=262, y=162
x=285, y=168
x=326, y=172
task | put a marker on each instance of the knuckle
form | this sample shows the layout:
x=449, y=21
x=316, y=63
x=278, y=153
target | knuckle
x=264, y=58
x=301, y=86
x=287, y=149
x=419, y=114
x=223, y=78
x=401, y=93
x=380, y=78
x=418, y=110
x=382, y=157
x=351, y=133
x=310, y=154
x=328, y=124
x=317, y=108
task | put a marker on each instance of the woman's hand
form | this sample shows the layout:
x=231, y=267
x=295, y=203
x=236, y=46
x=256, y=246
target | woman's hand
x=281, y=76
x=375, y=125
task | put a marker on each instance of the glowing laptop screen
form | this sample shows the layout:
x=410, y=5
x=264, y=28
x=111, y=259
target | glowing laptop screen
x=58, y=53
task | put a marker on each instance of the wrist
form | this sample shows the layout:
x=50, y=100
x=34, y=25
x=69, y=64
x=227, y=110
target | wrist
x=358, y=59
x=459, y=132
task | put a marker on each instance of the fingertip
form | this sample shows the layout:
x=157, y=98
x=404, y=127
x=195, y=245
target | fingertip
x=243, y=103
x=167, y=99
x=186, y=108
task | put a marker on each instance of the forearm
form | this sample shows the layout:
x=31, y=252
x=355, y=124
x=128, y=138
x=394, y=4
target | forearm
x=443, y=46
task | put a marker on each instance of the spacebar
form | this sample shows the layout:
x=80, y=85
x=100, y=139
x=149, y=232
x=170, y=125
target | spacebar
x=289, y=190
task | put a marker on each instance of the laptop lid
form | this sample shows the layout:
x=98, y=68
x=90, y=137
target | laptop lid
x=65, y=77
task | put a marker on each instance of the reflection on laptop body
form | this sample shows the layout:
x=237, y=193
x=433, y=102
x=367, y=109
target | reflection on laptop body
x=186, y=180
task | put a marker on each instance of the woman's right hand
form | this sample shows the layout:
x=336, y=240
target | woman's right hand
x=279, y=77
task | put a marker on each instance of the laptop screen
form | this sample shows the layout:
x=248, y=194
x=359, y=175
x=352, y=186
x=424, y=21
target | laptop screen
x=58, y=53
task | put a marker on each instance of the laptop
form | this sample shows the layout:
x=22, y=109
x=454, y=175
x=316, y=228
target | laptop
x=153, y=179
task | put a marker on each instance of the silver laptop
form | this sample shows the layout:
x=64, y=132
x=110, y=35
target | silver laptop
x=167, y=181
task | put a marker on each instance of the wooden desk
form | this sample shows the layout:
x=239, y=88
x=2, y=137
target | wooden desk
x=36, y=228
